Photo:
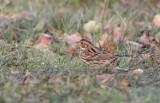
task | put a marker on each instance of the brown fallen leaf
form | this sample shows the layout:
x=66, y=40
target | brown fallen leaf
x=54, y=38
x=71, y=39
x=44, y=39
x=117, y=34
x=102, y=40
x=92, y=26
x=146, y=39
x=156, y=20
x=123, y=82
x=43, y=42
x=88, y=36
x=108, y=26
x=71, y=50
x=109, y=46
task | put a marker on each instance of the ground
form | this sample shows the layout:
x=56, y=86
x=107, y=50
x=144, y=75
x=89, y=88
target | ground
x=29, y=74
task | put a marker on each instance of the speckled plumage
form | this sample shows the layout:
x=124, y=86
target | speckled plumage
x=94, y=56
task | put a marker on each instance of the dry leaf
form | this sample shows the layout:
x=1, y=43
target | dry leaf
x=109, y=46
x=123, y=82
x=117, y=34
x=88, y=36
x=71, y=50
x=71, y=39
x=156, y=20
x=107, y=26
x=92, y=26
x=144, y=39
x=54, y=38
x=44, y=39
x=102, y=40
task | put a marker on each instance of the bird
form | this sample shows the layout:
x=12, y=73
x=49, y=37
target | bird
x=94, y=56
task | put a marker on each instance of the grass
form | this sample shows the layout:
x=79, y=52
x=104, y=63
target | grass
x=29, y=75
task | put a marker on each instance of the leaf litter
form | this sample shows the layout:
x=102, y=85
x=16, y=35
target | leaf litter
x=107, y=41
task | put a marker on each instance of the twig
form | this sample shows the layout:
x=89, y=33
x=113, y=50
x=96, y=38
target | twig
x=122, y=69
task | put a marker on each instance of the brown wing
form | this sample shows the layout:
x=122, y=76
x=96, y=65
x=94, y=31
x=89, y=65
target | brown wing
x=90, y=53
x=107, y=55
x=97, y=57
x=97, y=54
